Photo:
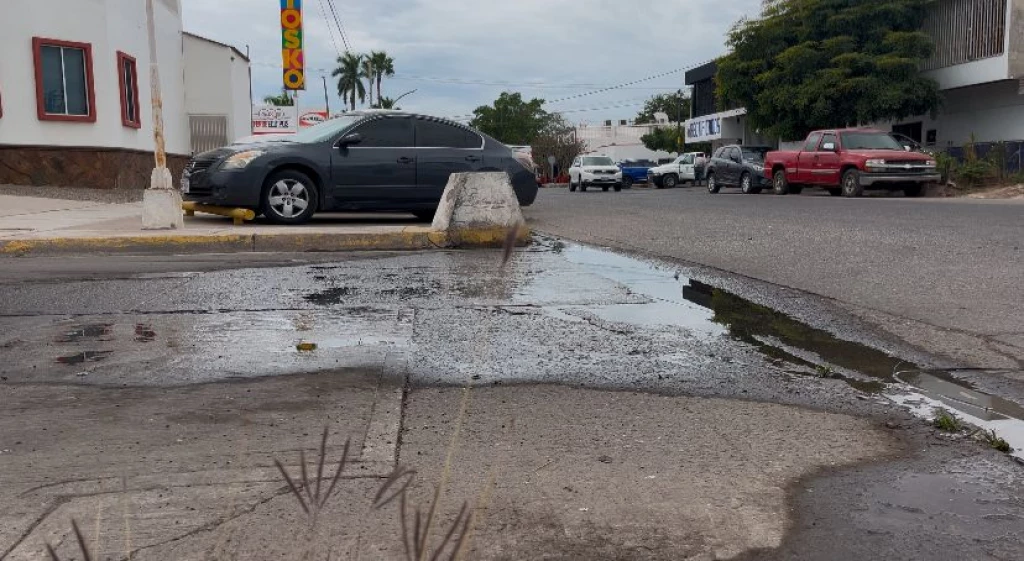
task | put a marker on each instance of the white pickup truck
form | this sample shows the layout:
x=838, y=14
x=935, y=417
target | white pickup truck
x=682, y=169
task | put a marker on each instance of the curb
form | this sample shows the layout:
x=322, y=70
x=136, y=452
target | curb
x=410, y=239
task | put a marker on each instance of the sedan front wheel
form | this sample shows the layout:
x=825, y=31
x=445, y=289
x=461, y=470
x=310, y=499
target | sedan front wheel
x=290, y=197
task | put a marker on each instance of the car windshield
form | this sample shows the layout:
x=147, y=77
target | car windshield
x=325, y=130
x=869, y=141
x=755, y=155
x=598, y=161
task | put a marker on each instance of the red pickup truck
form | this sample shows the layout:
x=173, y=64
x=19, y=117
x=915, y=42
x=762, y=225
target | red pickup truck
x=848, y=161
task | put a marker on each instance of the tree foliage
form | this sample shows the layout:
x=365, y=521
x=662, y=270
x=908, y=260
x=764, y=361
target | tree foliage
x=558, y=138
x=283, y=100
x=663, y=139
x=512, y=120
x=810, y=64
x=675, y=105
x=350, y=79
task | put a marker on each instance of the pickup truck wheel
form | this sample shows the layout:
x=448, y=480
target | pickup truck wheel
x=835, y=191
x=670, y=181
x=914, y=191
x=713, y=186
x=779, y=183
x=851, y=184
x=627, y=182
x=746, y=184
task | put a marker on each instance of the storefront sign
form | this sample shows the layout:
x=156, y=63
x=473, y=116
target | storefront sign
x=292, y=53
x=700, y=130
x=271, y=119
x=312, y=118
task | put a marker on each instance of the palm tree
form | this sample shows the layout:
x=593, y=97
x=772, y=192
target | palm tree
x=283, y=100
x=383, y=65
x=367, y=72
x=350, y=82
x=388, y=103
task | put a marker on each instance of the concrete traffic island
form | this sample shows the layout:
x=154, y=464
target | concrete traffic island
x=477, y=210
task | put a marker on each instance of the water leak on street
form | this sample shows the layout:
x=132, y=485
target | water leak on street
x=676, y=301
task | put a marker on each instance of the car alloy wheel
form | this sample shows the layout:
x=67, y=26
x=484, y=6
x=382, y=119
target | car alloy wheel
x=713, y=184
x=780, y=184
x=851, y=184
x=669, y=181
x=745, y=184
x=288, y=198
x=627, y=182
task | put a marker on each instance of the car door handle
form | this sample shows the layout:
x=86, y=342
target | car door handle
x=472, y=158
x=405, y=160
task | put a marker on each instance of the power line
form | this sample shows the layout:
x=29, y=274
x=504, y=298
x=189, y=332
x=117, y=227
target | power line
x=341, y=28
x=330, y=29
x=647, y=79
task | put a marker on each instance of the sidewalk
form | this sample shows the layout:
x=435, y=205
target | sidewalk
x=30, y=225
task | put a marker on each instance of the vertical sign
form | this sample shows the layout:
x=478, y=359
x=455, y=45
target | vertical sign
x=291, y=45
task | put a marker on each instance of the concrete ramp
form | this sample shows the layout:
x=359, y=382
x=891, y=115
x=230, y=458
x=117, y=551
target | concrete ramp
x=480, y=209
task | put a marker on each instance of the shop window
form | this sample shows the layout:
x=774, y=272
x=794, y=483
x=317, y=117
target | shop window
x=64, y=81
x=128, y=82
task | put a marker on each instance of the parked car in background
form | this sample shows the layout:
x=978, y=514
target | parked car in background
x=365, y=160
x=680, y=170
x=594, y=171
x=525, y=156
x=848, y=161
x=738, y=166
x=634, y=171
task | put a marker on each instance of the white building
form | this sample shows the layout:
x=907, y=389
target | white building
x=75, y=103
x=978, y=65
x=620, y=141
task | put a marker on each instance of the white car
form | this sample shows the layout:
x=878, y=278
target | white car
x=682, y=169
x=594, y=171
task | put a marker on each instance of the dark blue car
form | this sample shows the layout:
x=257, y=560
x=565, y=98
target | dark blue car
x=368, y=160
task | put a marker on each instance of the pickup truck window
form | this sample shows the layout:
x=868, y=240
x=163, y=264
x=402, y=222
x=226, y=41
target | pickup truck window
x=830, y=137
x=812, y=142
x=869, y=141
x=687, y=159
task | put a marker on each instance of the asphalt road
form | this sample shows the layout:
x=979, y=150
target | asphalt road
x=944, y=274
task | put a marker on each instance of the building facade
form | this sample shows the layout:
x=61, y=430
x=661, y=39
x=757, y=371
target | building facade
x=978, y=64
x=75, y=101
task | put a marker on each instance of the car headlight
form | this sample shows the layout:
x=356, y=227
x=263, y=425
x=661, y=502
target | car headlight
x=242, y=159
x=874, y=163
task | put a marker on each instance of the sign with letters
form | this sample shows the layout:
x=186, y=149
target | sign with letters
x=292, y=42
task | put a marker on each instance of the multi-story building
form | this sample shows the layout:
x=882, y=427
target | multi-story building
x=978, y=65
x=75, y=101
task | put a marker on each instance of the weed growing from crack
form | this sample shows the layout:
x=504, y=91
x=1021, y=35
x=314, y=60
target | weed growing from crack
x=947, y=421
x=86, y=556
x=309, y=494
x=993, y=440
x=823, y=371
x=416, y=544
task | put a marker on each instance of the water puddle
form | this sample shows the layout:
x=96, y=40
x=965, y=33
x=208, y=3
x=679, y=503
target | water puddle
x=671, y=300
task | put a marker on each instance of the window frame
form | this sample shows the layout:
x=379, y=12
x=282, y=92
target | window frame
x=123, y=58
x=835, y=141
x=817, y=142
x=90, y=86
x=469, y=134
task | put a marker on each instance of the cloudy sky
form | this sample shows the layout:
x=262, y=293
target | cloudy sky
x=459, y=54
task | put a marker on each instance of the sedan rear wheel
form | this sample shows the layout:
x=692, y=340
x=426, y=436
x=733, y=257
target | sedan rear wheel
x=289, y=198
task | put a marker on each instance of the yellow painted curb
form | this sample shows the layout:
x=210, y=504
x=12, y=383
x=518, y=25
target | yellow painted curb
x=408, y=239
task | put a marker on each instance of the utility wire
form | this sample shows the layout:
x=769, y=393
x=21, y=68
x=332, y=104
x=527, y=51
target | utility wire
x=341, y=28
x=330, y=29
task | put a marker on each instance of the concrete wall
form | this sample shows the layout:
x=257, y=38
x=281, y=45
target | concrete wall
x=217, y=83
x=992, y=112
x=1015, y=40
x=109, y=26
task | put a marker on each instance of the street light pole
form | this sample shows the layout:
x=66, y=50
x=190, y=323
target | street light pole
x=161, y=205
x=327, y=100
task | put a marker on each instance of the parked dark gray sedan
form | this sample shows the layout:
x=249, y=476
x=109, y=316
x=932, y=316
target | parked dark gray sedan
x=370, y=160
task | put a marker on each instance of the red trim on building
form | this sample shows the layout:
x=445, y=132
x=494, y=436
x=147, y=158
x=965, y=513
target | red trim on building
x=37, y=44
x=122, y=58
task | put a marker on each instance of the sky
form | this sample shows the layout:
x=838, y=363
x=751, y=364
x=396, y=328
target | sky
x=460, y=54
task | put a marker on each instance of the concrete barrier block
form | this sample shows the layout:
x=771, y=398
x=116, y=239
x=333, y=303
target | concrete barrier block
x=483, y=201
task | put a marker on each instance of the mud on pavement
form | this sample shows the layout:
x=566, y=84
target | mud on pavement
x=586, y=404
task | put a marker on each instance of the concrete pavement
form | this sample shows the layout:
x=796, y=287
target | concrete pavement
x=146, y=398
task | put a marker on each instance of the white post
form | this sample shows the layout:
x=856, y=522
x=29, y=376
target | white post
x=161, y=205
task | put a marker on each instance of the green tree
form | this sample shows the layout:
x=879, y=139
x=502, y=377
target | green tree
x=350, y=79
x=511, y=120
x=665, y=139
x=809, y=64
x=283, y=100
x=675, y=105
x=367, y=72
x=558, y=138
x=383, y=65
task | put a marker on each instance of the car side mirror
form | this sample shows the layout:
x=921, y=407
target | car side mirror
x=829, y=147
x=350, y=140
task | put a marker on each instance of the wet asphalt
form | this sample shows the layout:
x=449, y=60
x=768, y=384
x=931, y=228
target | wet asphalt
x=559, y=313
